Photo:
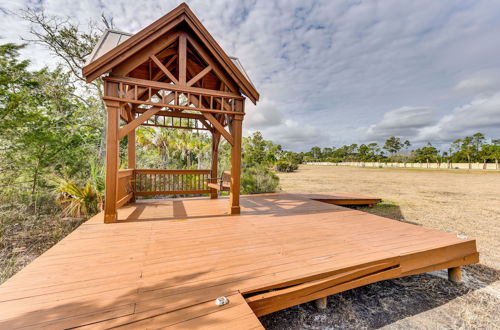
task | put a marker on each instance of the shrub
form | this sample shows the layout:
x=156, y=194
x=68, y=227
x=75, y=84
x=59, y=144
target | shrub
x=257, y=180
x=78, y=201
x=286, y=166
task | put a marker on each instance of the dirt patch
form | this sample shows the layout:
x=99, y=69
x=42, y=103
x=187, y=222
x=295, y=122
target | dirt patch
x=461, y=202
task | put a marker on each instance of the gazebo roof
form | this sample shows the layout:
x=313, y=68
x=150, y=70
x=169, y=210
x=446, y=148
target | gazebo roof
x=116, y=47
x=112, y=38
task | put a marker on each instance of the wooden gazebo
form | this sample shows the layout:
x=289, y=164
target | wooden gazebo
x=172, y=74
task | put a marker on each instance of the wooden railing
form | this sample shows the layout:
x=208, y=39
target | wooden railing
x=125, y=189
x=171, y=182
x=153, y=93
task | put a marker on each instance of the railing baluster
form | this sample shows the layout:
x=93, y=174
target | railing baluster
x=164, y=182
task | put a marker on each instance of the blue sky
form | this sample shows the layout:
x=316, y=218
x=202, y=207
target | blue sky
x=336, y=72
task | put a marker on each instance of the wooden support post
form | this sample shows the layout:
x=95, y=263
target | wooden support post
x=321, y=303
x=182, y=59
x=455, y=274
x=215, y=156
x=234, y=195
x=112, y=148
x=131, y=156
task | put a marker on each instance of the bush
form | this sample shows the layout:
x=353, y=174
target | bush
x=334, y=160
x=258, y=180
x=286, y=166
x=77, y=200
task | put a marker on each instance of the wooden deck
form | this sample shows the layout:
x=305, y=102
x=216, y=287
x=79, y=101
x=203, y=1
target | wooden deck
x=344, y=199
x=165, y=262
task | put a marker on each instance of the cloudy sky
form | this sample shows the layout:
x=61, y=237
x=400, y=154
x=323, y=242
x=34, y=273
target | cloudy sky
x=336, y=72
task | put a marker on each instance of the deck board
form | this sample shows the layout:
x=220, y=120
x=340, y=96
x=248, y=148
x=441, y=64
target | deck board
x=164, y=262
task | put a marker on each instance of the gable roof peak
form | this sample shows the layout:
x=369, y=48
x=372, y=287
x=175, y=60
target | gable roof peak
x=99, y=65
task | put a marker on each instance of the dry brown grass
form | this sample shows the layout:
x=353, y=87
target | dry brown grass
x=457, y=201
x=462, y=202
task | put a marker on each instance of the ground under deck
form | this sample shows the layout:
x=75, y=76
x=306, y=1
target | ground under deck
x=164, y=263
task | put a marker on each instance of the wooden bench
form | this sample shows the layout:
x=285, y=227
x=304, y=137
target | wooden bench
x=224, y=183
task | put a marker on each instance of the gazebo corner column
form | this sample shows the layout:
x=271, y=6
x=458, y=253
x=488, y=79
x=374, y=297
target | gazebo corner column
x=215, y=163
x=234, y=196
x=131, y=158
x=112, y=148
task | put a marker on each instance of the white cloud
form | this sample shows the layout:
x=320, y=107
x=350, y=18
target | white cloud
x=481, y=83
x=327, y=66
x=405, y=122
x=294, y=136
x=481, y=114
x=266, y=114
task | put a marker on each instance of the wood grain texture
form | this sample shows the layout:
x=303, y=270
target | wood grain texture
x=164, y=262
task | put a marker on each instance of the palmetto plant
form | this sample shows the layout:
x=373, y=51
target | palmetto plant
x=77, y=201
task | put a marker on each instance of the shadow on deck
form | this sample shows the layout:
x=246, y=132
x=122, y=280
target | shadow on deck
x=165, y=261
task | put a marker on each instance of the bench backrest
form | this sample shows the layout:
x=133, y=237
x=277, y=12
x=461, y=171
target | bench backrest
x=226, y=177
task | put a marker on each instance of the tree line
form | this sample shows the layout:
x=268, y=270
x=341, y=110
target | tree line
x=469, y=149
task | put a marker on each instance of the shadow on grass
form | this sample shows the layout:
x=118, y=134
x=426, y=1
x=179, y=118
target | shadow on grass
x=387, y=209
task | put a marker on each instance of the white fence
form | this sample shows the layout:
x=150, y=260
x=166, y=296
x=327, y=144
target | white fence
x=462, y=166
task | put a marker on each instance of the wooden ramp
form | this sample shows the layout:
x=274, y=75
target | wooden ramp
x=165, y=262
x=343, y=199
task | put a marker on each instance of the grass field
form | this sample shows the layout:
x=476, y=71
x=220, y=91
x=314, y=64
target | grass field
x=457, y=201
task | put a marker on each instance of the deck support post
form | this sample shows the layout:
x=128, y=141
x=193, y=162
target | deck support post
x=455, y=274
x=234, y=195
x=215, y=161
x=131, y=157
x=112, y=148
x=321, y=303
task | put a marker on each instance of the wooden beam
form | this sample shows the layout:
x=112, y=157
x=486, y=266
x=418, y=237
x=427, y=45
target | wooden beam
x=263, y=304
x=182, y=59
x=164, y=105
x=163, y=85
x=128, y=197
x=215, y=162
x=112, y=148
x=234, y=194
x=160, y=73
x=217, y=69
x=131, y=155
x=194, y=100
x=174, y=114
x=142, y=56
x=164, y=69
x=137, y=121
x=219, y=127
x=199, y=76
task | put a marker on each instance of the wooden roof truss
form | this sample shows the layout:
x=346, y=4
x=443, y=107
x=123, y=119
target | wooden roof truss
x=180, y=77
